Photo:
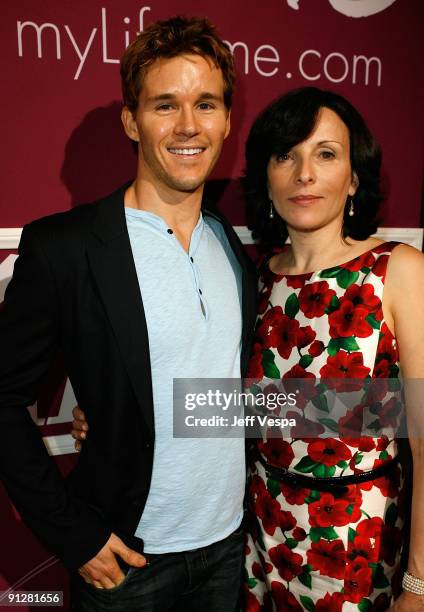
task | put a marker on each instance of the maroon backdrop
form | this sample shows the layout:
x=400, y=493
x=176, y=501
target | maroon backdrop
x=63, y=144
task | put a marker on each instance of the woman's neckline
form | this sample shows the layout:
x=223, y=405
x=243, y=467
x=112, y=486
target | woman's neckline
x=343, y=263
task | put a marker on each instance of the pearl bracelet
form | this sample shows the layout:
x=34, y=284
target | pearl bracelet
x=413, y=584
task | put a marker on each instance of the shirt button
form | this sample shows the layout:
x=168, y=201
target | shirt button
x=170, y=231
x=191, y=259
x=200, y=291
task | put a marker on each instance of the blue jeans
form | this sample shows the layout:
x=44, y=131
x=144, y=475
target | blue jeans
x=203, y=580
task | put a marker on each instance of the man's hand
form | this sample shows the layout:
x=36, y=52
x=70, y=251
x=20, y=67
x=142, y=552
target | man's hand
x=79, y=427
x=103, y=570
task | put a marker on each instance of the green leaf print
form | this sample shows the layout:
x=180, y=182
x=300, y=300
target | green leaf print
x=342, y=464
x=291, y=543
x=365, y=270
x=383, y=455
x=330, y=272
x=333, y=305
x=270, y=369
x=391, y=515
x=320, y=402
x=291, y=307
x=314, y=496
x=273, y=487
x=305, y=361
x=348, y=344
x=330, y=423
x=328, y=533
x=373, y=321
x=358, y=458
x=350, y=508
x=251, y=583
x=306, y=580
x=305, y=465
x=307, y=603
x=379, y=580
x=346, y=278
x=324, y=471
x=364, y=605
x=352, y=534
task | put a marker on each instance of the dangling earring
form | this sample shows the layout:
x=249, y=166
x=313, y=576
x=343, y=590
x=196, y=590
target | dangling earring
x=351, y=208
x=271, y=210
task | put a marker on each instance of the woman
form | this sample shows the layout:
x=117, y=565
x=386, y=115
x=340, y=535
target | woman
x=335, y=304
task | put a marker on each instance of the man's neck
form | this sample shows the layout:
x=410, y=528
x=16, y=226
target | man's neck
x=179, y=210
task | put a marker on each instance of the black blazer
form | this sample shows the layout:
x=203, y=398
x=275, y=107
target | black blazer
x=75, y=291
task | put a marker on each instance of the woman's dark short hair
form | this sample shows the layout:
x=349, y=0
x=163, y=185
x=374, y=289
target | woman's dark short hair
x=288, y=121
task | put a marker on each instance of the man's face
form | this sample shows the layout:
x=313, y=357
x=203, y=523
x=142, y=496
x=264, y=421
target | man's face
x=180, y=124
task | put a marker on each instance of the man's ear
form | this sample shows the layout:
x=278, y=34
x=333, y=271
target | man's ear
x=130, y=125
x=228, y=124
x=354, y=184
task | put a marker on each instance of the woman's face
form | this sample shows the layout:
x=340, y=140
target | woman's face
x=310, y=184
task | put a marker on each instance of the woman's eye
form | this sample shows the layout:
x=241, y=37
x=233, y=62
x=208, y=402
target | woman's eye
x=283, y=157
x=327, y=154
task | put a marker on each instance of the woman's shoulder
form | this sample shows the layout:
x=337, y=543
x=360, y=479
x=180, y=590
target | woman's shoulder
x=406, y=262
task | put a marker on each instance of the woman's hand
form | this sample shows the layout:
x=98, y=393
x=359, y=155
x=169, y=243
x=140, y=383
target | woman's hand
x=408, y=602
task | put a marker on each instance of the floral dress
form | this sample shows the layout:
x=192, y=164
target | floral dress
x=310, y=549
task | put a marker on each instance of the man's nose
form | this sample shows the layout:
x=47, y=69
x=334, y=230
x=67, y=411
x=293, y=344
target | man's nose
x=187, y=124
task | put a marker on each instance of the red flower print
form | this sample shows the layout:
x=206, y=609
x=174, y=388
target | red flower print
x=349, y=320
x=284, y=335
x=328, y=451
x=366, y=260
x=297, y=281
x=315, y=298
x=330, y=603
x=380, y=266
x=288, y=563
x=299, y=534
x=382, y=443
x=370, y=528
x=316, y=348
x=250, y=601
x=307, y=387
x=350, y=424
x=259, y=571
x=328, y=557
x=362, y=295
x=255, y=371
x=381, y=603
x=277, y=452
x=363, y=547
x=388, y=414
x=388, y=485
x=343, y=366
x=304, y=336
x=382, y=369
x=391, y=541
x=284, y=600
x=329, y=511
x=387, y=346
x=256, y=486
x=268, y=510
x=357, y=583
x=294, y=496
x=287, y=521
x=305, y=429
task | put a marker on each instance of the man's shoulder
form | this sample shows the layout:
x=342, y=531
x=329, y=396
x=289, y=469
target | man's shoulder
x=73, y=223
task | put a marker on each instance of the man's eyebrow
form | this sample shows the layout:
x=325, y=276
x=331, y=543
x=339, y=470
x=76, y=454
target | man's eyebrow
x=204, y=95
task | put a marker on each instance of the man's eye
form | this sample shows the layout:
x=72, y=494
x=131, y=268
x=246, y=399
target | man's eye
x=164, y=107
x=205, y=106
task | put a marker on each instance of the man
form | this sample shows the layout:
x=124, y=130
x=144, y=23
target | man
x=135, y=290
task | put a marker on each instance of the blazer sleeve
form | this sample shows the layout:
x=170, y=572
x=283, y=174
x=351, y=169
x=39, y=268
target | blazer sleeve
x=29, y=339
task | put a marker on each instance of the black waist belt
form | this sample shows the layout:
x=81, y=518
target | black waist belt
x=336, y=484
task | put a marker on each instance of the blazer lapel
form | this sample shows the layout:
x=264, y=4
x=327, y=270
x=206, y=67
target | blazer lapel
x=112, y=264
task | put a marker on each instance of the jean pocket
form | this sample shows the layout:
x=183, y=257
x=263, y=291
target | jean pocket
x=127, y=575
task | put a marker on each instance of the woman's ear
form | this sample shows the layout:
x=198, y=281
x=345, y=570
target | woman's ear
x=354, y=184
